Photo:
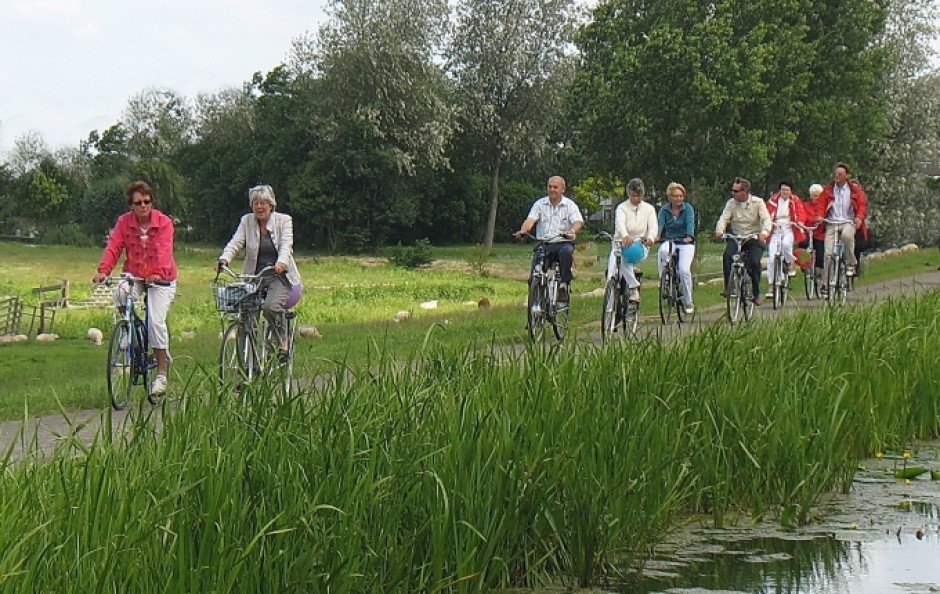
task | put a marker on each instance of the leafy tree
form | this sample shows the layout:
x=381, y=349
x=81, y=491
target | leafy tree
x=158, y=123
x=508, y=61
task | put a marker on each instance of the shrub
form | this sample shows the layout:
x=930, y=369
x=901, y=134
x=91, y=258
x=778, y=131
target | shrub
x=419, y=254
x=478, y=258
x=68, y=234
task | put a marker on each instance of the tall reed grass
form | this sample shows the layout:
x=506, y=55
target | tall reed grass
x=473, y=469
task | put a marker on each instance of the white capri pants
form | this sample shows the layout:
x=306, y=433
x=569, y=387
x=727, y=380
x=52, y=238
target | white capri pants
x=159, y=299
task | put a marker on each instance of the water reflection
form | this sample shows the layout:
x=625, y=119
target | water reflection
x=873, y=561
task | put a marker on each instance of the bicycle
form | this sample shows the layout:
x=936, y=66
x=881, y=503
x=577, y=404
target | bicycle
x=780, y=283
x=810, y=275
x=740, y=297
x=249, y=347
x=838, y=282
x=542, y=304
x=670, y=289
x=618, y=312
x=129, y=361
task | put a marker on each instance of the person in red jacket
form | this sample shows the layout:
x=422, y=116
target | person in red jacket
x=843, y=199
x=145, y=235
x=786, y=212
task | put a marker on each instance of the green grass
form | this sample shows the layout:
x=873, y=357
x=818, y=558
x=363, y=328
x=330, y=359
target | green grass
x=352, y=301
x=474, y=468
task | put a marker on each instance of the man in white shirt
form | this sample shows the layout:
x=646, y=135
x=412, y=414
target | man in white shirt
x=559, y=220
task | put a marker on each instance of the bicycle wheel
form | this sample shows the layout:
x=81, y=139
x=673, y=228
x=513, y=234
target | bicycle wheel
x=734, y=295
x=288, y=369
x=559, y=314
x=120, y=371
x=810, y=281
x=229, y=367
x=842, y=283
x=535, y=313
x=747, y=297
x=631, y=318
x=666, y=296
x=778, y=280
x=609, y=307
x=677, y=298
x=832, y=279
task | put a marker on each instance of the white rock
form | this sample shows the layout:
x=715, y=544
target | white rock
x=598, y=292
x=188, y=334
x=891, y=252
x=429, y=304
x=20, y=338
x=910, y=247
x=95, y=335
x=308, y=331
x=401, y=316
x=7, y=339
x=46, y=337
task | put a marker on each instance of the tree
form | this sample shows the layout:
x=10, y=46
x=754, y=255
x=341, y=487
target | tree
x=508, y=61
x=158, y=123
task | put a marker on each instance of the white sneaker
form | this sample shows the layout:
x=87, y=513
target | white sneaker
x=634, y=295
x=689, y=308
x=158, y=387
x=769, y=295
x=791, y=272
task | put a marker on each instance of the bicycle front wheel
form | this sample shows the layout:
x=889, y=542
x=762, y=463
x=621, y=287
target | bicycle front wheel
x=667, y=298
x=120, y=371
x=609, y=309
x=229, y=366
x=842, y=284
x=560, y=311
x=631, y=318
x=734, y=295
x=746, y=295
x=810, y=281
x=535, y=313
x=778, y=289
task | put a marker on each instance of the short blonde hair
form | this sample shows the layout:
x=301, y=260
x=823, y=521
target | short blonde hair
x=265, y=193
x=815, y=190
x=676, y=186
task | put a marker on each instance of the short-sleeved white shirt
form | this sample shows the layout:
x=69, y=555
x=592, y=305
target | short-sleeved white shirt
x=554, y=220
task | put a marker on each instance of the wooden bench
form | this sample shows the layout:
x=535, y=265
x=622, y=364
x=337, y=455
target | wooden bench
x=51, y=298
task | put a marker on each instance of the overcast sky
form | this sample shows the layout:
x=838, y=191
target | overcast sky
x=69, y=66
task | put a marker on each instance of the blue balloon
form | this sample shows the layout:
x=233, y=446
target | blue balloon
x=634, y=253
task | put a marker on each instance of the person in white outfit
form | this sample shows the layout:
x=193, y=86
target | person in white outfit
x=634, y=222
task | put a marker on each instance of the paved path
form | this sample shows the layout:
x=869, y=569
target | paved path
x=41, y=435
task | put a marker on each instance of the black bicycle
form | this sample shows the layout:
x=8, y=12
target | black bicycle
x=542, y=305
x=838, y=283
x=780, y=283
x=618, y=313
x=740, y=296
x=130, y=362
x=670, y=288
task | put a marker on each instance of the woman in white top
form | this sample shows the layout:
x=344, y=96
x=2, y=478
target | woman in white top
x=635, y=221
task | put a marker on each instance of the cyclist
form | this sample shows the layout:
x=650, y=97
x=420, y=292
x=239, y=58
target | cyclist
x=843, y=199
x=635, y=222
x=267, y=238
x=559, y=220
x=786, y=211
x=676, y=223
x=812, y=217
x=746, y=214
x=145, y=235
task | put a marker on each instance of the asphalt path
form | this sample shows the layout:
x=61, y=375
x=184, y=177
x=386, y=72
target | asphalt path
x=39, y=436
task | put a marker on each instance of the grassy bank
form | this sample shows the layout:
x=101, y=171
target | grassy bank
x=467, y=469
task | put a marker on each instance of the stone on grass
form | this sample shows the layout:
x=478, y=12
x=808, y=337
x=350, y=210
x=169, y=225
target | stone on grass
x=95, y=335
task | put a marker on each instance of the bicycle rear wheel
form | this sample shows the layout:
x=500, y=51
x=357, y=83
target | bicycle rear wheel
x=535, y=313
x=120, y=370
x=609, y=307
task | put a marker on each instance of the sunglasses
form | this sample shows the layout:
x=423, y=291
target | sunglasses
x=735, y=191
x=142, y=202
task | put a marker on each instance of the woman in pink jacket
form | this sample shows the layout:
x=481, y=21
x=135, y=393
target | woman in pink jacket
x=146, y=236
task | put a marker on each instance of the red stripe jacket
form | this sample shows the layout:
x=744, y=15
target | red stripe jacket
x=859, y=202
x=797, y=214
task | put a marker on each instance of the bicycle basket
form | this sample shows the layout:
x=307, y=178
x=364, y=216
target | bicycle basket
x=237, y=297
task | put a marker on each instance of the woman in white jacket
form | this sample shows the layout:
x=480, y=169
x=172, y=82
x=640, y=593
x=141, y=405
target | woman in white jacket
x=267, y=238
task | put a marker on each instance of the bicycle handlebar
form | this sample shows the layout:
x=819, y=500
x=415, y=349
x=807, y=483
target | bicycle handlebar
x=543, y=239
x=245, y=276
x=832, y=222
x=130, y=278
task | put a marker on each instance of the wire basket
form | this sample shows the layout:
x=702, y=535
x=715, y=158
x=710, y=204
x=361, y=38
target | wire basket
x=234, y=298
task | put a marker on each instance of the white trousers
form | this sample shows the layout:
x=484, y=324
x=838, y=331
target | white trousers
x=783, y=239
x=159, y=299
x=627, y=270
x=686, y=255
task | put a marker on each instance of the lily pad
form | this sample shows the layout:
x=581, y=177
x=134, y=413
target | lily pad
x=935, y=475
x=909, y=472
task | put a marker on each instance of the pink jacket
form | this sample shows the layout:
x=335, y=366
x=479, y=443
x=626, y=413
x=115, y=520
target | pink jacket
x=146, y=254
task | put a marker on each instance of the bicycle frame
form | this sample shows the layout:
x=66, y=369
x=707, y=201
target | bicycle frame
x=617, y=312
x=780, y=282
x=740, y=295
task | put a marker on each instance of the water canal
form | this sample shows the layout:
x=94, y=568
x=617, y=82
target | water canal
x=882, y=537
